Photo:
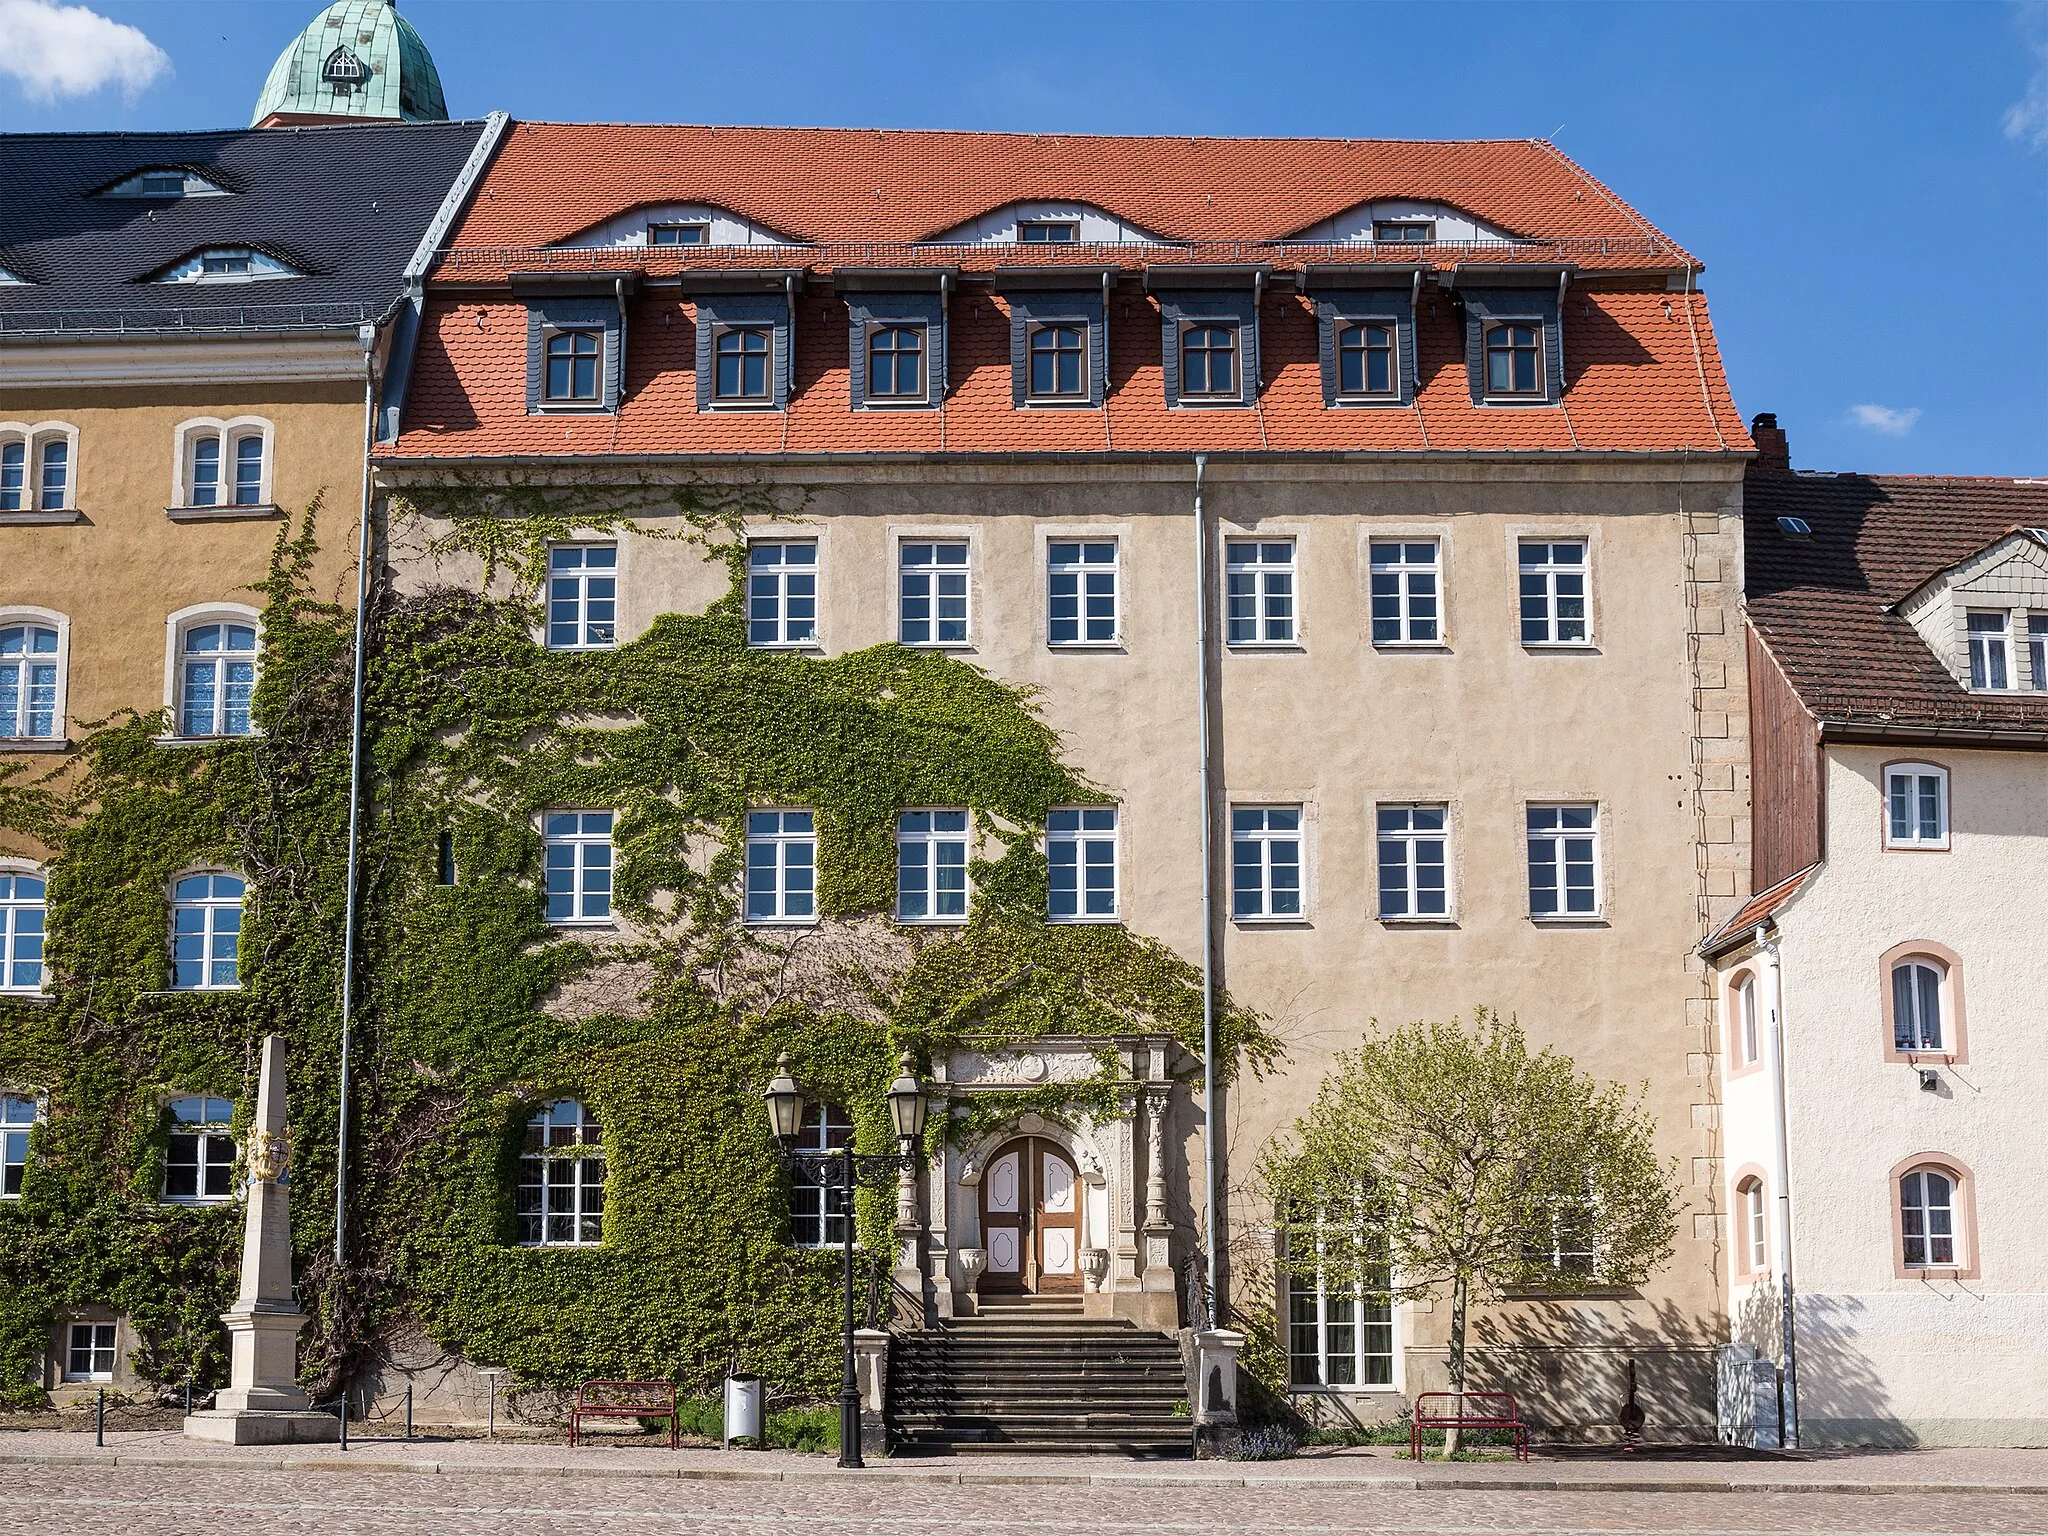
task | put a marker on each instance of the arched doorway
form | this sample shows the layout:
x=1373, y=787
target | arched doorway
x=1031, y=1219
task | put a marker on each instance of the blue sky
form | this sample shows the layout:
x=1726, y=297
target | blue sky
x=1868, y=184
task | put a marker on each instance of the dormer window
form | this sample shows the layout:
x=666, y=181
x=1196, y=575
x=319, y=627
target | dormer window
x=165, y=181
x=9, y=279
x=1404, y=231
x=1514, y=359
x=1048, y=231
x=228, y=264
x=679, y=234
x=1365, y=360
x=1990, y=652
x=1208, y=361
x=1058, y=362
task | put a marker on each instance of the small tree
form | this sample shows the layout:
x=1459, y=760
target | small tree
x=1443, y=1157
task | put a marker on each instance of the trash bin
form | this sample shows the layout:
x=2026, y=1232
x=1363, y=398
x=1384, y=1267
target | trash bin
x=743, y=1399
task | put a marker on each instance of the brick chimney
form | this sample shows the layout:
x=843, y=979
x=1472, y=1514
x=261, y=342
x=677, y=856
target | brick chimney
x=1772, y=450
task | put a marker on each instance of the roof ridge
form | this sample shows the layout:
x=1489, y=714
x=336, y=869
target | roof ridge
x=1014, y=133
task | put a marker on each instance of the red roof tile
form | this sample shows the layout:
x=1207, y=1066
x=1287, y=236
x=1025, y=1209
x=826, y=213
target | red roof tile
x=1759, y=909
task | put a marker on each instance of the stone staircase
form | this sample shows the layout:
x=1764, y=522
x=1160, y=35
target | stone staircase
x=1033, y=1375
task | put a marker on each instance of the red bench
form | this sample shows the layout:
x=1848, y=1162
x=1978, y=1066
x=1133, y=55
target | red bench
x=624, y=1400
x=1468, y=1410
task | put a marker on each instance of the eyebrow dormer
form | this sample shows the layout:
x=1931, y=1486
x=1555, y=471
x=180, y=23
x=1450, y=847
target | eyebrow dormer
x=228, y=264
x=164, y=182
x=676, y=224
x=1404, y=221
x=1046, y=223
x=1986, y=617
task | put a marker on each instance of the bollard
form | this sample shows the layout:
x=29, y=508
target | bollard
x=408, y=1410
x=99, y=1421
x=188, y=1397
x=344, y=1418
x=492, y=1432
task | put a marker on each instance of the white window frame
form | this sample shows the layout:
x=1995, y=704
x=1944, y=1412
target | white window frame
x=1915, y=776
x=44, y=618
x=210, y=906
x=928, y=841
x=819, y=1133
x=1259, y=576
x=1402, y=574
x=588, y=1133
x=1550, y=571
x=1957, y=1260
x=2037, y=652
x=16, y=1134
x=933, y=597
x=783, y=624
x=1262, y=837
x=778, y=841
x=580, y=843
x=1080, y=568
x=1049, y=223
x=1996, y=646
x=655, y=243
x=33, y=436
x=93, y=1348
x=1408, y=838
x=176, y=627
x=1359, y=1299
x=1755, y=1233
x=230, y=432
x=13, y=908
x=215, y=1148
x=1557, y=837
x=1080, y=835
x=581, y=575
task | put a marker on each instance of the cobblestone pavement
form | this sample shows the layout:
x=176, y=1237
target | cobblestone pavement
x=196, y=1500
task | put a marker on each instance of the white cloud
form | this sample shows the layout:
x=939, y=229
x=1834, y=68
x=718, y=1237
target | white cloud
x=67, y=50
x=1891, y=420
x=2027, y=119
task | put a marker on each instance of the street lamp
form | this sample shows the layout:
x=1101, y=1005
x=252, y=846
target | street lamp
x=846, y=1170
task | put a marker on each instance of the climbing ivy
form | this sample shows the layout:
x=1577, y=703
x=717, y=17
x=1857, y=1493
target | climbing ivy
x=473, y=1011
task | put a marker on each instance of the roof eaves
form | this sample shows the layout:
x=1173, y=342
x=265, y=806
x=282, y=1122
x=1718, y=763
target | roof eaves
x=1760, y=911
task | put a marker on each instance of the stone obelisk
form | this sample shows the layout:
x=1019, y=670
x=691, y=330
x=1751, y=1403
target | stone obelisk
x=264, y=1405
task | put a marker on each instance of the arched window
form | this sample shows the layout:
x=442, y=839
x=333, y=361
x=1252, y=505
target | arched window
x=1514, y=359
x=896, y=363
x=36, y=466
x=1929, y=1237
x=199, y=1154
x=22, y=898
x=1751, y=1245
x=1057, y=368
x=1208, y=360
x=1916, y=1004
x=223, y=463
x=31, y=681
x=561, y=1178
x=213, y=680
x=206, y=932
x=572, y=365
x=1921, y=985
x=1365, y=360
x=741, y=364
x=817, y=1210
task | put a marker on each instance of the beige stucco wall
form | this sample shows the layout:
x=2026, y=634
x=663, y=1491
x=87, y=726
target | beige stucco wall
x=1649, y=723
x=1885, y=1358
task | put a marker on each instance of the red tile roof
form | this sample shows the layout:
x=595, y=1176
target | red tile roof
x=1759, y=909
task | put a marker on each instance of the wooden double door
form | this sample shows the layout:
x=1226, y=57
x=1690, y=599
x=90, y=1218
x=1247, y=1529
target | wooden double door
x=1031, y=1220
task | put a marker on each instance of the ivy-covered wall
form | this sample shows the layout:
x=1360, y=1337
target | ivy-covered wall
x=473, y=1010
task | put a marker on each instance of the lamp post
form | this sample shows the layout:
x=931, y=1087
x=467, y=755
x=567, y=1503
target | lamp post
x=847, y=1170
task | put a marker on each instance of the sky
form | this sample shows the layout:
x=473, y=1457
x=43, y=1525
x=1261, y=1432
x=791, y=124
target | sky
x=1867, y=183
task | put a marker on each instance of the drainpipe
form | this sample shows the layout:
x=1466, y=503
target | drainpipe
x=1216, y=1306
x=368, y=336
x=1788, y=1392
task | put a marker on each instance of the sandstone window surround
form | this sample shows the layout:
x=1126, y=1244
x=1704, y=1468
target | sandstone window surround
x=35, y=654
x=211, y=663
x=1934, y=1219
x=1921, y=988
x=222, y=468
x=1745, y=1024
x=1750, y=1212
x=38, y=471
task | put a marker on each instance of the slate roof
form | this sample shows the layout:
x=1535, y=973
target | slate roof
x=347, y=205
x=1820, y=604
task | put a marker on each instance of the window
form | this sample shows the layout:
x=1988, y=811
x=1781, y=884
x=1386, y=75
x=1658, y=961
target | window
x=896, y=363
x=679, y=234
x=13, y=476
x=224, y=264
x=164, y=182
x=1746, y=1035
x=216, y=679
x=35, y=468
x=1080, y=850
x=89, y=1352
x=1081, y=591
x=1750, y=1212
x=1990, y=665
x=1514, y=359
x=782, y=594
x=1405, y=607
x=561, y=1178
x=18, y=1115
x=55, y=477
x=572, y=366
x=931, y=593
x=1259, y=591
x=2037, y=651
x=579, y=866
x=817, y=1212
x=1563, y=861
x=1916, y=806
x=206, y=932
x=1927, y=1219
x=1404, y=231
x=583, y=597
x=1916, y=1004
x=22, y=898
x=1365, y=360
x=1048, y=231
x=199, y=1154
x=1208, y=361
x=224, y=464
x=1056, y=367
x=28, y=682
x=1265, y=862
x=444, y=859
x=1553, y=590
x=1566, y=1246
x=1339, y=1334
x=227, y=264
x=248, y=471
x=1412, y=844
x=782, y=867
x=740, y=363
x=931, y=867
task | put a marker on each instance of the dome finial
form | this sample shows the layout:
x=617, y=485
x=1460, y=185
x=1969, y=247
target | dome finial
x=358, y=60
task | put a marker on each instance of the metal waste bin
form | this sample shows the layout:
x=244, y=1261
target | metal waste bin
x=743, y=1399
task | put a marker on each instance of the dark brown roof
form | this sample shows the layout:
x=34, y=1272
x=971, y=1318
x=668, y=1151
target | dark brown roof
x=1758, y=910
x=1820, y=603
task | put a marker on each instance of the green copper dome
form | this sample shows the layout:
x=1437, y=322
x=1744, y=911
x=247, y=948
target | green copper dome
x=356, y=59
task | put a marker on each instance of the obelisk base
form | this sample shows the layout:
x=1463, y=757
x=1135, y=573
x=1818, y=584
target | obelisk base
x=263, y=1343
x=263, y=1428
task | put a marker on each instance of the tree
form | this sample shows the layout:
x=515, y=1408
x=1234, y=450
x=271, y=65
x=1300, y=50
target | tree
x=1438, y=1156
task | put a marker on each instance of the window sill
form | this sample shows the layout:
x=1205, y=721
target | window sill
x=190, y=991
x=930, y=922
x=1188, y=403
x=1572, y=1293
x=1582, y=647
x=1445, y=920
x=1284, y=920
x=565, y=409
x=1253, y=647
x=1415, y=647
x=779, y=922
x=1368, y=403
x=197, y=1202
x=35, y=743
x=204, y=741
x=1888, y=847
x=584, y=924
x=224, y=514
x=62, y=515
x=937, y=645
x=1084, y=922
x=1522, y=402
x=1048, y=404
x=1568, y=920
x=758, y=407
x=872, y=404
x=786, y=645
x=1084, y=645
x=9, y=995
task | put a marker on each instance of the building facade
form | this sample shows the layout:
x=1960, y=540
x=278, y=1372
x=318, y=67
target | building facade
x=1899, y=697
